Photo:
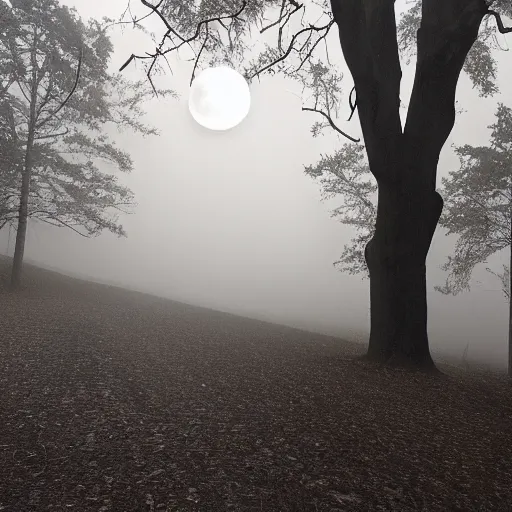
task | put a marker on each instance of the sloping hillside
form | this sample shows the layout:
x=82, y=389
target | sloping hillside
x=118, y=401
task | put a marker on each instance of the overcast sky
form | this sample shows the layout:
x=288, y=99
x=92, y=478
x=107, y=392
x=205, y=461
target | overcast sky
x=230, y=221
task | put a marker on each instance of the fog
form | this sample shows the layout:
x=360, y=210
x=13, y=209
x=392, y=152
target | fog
x=230, y=221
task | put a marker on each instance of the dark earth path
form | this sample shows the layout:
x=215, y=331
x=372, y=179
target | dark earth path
x=117, y=401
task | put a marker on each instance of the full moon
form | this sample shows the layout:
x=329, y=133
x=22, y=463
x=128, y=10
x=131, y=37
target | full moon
x=219, y=98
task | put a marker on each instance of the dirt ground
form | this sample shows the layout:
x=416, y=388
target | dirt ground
x=118, y=401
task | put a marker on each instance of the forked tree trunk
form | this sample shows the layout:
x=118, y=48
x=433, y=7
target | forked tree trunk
x=404, y=161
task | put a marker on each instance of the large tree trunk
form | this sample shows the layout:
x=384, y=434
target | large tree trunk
x=396, y=261
x=404, y=161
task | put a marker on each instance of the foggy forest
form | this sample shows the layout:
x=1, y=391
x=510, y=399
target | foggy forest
x=255, y=255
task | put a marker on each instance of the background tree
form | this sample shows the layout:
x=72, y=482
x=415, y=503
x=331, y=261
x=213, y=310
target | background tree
x=478, y=205
x=479, y=210
x=57, y=98
x=403, y=160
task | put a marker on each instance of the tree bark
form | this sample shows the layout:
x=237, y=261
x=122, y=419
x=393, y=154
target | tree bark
x=404, y=162
x=396, y=257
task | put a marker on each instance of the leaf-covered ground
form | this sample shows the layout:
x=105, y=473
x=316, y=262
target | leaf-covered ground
x=117, y=401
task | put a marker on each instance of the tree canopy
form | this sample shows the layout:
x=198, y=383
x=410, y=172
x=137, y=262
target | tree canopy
x=224, y=32
x=56, y=85
x=478, y=205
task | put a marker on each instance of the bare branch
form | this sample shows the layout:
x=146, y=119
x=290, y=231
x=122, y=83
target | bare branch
x=499, y=22
x=327, y=52
x=206, y=22
x=280, y=36
x=132, y=56
x=312, y=49
x=331, y=122
x=133, y=21
x=352, y=105
x=55, y=112
x=290, y=47
x=283, y=16
x=53, y=135
x=154, y=9
x=199, y=56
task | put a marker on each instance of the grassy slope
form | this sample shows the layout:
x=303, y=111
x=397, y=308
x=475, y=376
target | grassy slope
x=120, y=401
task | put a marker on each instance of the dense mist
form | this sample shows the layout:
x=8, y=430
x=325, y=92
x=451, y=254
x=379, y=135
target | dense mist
x=230, y=221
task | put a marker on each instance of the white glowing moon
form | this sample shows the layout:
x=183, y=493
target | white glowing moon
x=219, y=98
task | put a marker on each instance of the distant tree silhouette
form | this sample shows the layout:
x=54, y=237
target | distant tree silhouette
x=56, y=96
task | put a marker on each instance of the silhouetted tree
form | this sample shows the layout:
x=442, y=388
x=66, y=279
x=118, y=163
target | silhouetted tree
x=478, y=204
x=56, y=98
x=403, y=160
x=477, y=197
x=346, y=175
x=485, y=174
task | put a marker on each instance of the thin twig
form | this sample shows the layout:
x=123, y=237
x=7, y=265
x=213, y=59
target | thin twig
x=281, y=16
x=290, y=47
x=331, y=122
x=198, y=56
x=55, y=112
x=53, y=135
x=499, y=22
x=170, y=30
